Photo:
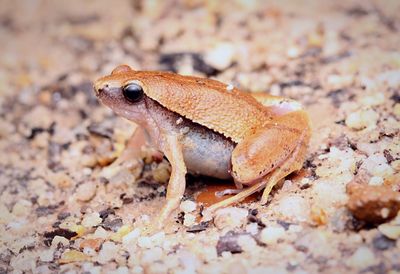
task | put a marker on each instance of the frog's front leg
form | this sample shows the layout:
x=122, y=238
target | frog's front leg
x=130, y=156
x=177, y=182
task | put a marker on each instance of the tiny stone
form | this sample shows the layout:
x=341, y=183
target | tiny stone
x=392, y=231
x=86, y=191
x=131, y=236
x=230, y=217
x=188, y=206
x=229, y=87
x=145, y=242
x=362, y=119
x=59, y=239
x=151, y=255
x=47, y=255
x=375, y=181
x=363, y=257
x=252, y=228
x=158, y=238
x=100, y=233
x=247, y=243
x=271, y=235
x=91, y=220
x=293, y=52
x=189, y=219
x=108, y=252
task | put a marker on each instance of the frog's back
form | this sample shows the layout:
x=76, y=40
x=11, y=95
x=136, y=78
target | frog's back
x=207, y=102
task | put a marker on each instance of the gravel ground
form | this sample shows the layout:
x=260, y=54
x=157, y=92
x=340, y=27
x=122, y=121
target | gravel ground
x=63, y=209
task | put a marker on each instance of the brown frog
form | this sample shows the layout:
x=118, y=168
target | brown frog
x=206, y=127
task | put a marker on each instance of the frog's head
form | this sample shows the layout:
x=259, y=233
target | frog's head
x=123, y=93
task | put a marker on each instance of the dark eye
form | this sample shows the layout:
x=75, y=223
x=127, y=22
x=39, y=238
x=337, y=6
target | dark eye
x=133, y=92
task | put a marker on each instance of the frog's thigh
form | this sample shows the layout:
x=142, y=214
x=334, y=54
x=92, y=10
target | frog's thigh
x=177, y=183
x=269, y=147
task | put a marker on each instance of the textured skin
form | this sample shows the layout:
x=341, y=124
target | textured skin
x=207, y=102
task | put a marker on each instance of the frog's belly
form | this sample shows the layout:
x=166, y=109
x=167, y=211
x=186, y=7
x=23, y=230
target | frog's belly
x=207, y=153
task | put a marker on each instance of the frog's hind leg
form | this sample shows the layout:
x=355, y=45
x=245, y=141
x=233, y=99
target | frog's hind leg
x=267, y=183
x=268, y=156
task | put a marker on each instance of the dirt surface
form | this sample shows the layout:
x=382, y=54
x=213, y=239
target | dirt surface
x=63, y=209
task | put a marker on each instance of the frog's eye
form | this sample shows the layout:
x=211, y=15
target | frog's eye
x=133, y=92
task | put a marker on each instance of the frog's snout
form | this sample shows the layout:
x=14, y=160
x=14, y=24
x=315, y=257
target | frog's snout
x=99, y=87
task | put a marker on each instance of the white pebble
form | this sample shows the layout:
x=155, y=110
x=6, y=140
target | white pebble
x=108, y=252
x=293, y=52
x=247, y=243
x=363, y=257
x=100, y=233
x=86, y=191
x=230, y=217
x=375, y=181
x=271, y=235
x=47, y=255
x=188, y=206
x=362, y=119
x=189, y=219
x=158, y=238
x=252, y=228
x=392, y=231
x=145, y=242
x=151, y=255
x=131, y=236
x=59, y=240
x=221, y=56
x=91, y=220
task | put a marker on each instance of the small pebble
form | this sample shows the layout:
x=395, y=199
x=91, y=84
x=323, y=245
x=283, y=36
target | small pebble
x=91, y=220
x=363, y=257
x=271, y=235
x=188, y=206
x=221, y=56
x=131, y=237
x=247, y=243
x=100, y=233
x=152, y=255
x=47, y=255
x=375, y=181
x=230, y=217
x=86, y=191
x=189, y=219
x=71, y=256
x=362, y=119
x=59, y=240
x=392, y=231
x=144, y=242
x=108, y=252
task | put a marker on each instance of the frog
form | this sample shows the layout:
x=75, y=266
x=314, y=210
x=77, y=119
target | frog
x=203, y=126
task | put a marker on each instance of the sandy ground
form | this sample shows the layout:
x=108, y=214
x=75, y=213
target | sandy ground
x=64, y=210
